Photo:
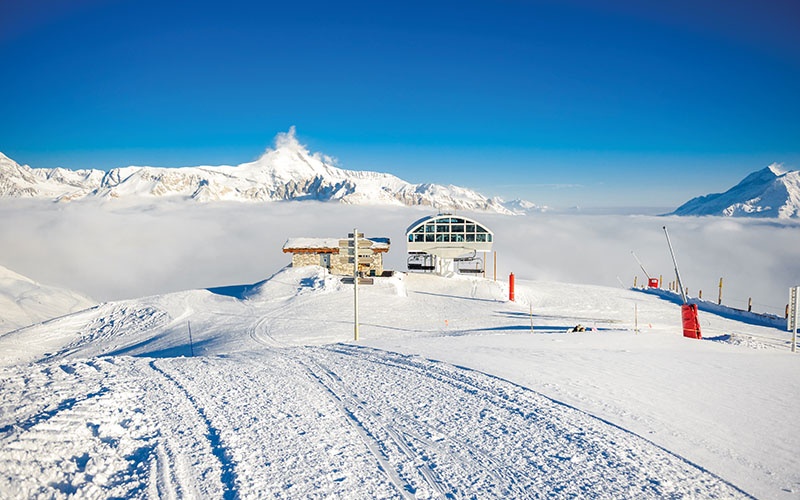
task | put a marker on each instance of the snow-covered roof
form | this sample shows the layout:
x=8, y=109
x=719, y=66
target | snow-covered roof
x=328, y=245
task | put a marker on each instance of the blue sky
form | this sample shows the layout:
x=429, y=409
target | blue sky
x=628, y=103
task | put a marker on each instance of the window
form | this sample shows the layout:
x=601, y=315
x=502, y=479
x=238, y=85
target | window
x=443, y=238
x=419, y=238
x=429, y=228
x=470, y=228
x=441, y=228
x=419, y=229
x=480, y=237
x=458, y=228
x=470, y=237
x=489, y=238
x=457, y=237
x=410, y=238
x=481, y=230
x=429, y=237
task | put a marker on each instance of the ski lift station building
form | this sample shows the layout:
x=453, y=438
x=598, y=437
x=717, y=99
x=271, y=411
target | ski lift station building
x=447, y=243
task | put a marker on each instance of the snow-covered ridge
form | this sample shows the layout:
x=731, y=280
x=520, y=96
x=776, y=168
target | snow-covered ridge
x=770, y=192
x=24, y=302
x=287, y=172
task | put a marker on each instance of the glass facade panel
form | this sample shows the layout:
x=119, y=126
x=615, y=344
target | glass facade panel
x=470, y=237
x=419, y=229
x=419, y=237
x=410, y=237
x=429, y=228
x=457, y=237
x=470, y=228
x=441, y=228
x=489, y=238
x=481, y=230
x=457, y=228
x=429, y=237
x=480, y=237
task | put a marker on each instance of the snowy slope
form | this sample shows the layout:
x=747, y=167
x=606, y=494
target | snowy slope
x=24, y=302
x=287, y=172
x=271, y=397
x=771, y=192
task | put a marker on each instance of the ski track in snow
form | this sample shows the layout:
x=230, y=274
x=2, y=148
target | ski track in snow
x=380, y=425
x=271, y=419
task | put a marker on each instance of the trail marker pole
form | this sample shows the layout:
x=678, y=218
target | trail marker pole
x=636, y=318
x=531, y=311
x=191, y=343
x=355, y=284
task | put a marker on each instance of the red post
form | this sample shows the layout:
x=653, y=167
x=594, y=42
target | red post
x=511, y=287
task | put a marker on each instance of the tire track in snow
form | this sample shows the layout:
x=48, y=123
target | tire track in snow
x=382, y=440
x=228, y=475
x=438, y=450
x=12, y=432
x=549, y=446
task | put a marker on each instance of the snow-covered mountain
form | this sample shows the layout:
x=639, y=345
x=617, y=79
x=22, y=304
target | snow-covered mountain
x=24, y=302
x=287, y=172
x=523, y=207
x=770, y=192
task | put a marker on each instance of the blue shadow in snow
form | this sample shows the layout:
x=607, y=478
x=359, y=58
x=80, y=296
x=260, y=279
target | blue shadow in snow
x=183, y=349
x=236, y=291
x=539, y=329
x=726, y=312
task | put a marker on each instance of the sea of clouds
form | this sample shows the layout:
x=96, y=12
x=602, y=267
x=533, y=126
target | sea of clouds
x=113, y=250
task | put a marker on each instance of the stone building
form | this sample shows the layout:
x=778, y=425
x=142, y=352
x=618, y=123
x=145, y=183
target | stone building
x=337, y=255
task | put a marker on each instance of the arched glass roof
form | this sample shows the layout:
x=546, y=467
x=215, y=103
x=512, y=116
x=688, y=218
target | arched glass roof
x=447, y=228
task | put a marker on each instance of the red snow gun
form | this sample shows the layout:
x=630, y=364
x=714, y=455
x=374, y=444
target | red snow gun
x=691, y=325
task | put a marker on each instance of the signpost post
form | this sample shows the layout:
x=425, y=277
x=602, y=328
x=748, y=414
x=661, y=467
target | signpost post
x=355, y=284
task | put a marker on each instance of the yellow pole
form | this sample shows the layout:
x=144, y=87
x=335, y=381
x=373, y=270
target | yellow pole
x=719, y=300
x=495, y=265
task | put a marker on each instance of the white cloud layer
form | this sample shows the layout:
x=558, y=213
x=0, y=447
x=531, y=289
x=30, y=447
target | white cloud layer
x=111, y=250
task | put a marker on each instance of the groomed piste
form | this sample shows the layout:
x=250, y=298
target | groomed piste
x=452, y=392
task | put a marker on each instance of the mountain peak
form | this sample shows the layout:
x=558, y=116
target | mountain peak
x=287, y=171
x=772, y=191
x=777, y=169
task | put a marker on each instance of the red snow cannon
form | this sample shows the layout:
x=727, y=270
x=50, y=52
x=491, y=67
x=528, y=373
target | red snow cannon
x=691, y=325
x=652, y=283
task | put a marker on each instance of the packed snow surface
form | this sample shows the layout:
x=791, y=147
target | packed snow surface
x=451, y=391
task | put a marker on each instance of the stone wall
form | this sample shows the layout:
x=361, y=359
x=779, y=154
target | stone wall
x=341, y=263
x=305, y=259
